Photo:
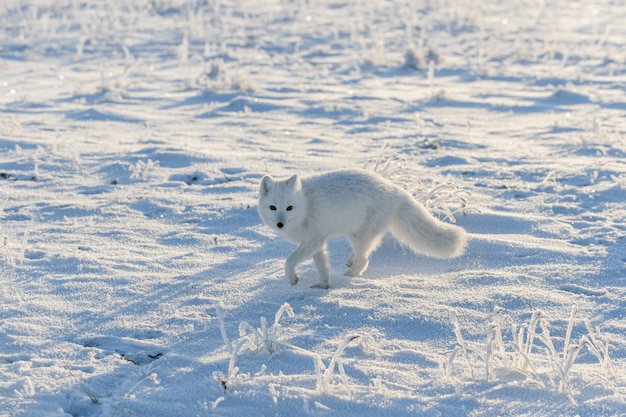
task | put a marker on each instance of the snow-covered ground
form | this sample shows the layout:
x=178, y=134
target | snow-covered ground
x=136, y=278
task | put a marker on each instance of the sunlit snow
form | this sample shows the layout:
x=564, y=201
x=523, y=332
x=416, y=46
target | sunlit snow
x=136, y=278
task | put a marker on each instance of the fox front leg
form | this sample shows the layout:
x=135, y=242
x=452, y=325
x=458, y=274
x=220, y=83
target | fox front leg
x=291, y=274
x=321, y=262
x=303, y=252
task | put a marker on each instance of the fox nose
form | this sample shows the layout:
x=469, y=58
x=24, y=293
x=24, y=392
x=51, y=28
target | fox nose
x=280, y=225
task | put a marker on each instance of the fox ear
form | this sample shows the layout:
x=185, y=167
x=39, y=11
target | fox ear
x=267, y=183
x=294, y=182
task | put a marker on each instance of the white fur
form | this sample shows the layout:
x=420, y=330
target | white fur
x=360, y=205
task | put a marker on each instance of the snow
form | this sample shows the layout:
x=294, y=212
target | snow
x=136, y=278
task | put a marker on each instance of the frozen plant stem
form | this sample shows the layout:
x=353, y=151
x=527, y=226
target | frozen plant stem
x=91, y=395
x=530, y=335
x=459, y=337
x=251, y=340
x=494, y=336
x=547, y=340
x=152, y=376
x=568, y=334
x=451, y=357
x=264, y=338
x=600, y=349
x=489, y=350
x=220, y=319
x=324, y=379
x=388, y=164
x=232, y=369
x=285, y=308
x=569, y=361
x=498, y=335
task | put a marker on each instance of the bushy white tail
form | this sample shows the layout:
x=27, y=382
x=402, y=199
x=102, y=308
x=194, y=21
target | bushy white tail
x=414, y=226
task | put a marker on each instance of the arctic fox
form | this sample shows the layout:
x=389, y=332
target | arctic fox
x=358, y=204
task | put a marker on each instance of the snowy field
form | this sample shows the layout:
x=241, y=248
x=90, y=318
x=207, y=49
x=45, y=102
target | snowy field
x=137, y=280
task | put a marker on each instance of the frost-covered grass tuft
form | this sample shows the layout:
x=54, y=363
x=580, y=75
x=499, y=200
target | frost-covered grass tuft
x=268, y=340
x=527, y=355
x=441, y=196
x=325, y=376
x=262, y=339
x=142, y=170
x=541, y=364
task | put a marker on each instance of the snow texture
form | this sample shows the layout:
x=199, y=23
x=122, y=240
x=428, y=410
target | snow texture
x=137, y=279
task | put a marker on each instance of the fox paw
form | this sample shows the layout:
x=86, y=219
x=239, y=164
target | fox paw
x=356, y=270
x=293, y=279
x=350, y=261
x=323, y=286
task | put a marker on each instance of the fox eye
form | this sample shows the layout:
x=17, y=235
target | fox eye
x=273, y=208
x=289, y=208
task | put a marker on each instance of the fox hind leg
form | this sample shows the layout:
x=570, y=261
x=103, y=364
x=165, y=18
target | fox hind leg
x=361, y=250
x=358, y=266
x=366, y=240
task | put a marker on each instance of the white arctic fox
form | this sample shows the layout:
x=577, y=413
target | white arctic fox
x=358, y=204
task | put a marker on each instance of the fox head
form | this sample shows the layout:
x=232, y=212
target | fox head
x=282, y=206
